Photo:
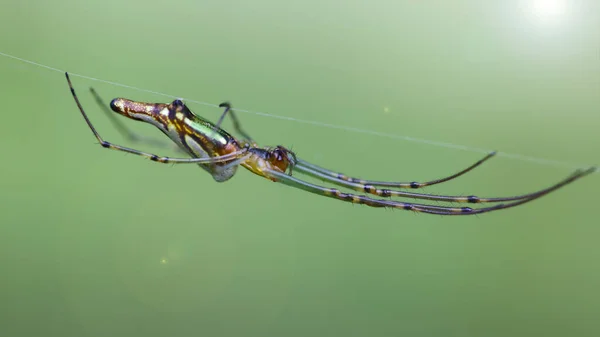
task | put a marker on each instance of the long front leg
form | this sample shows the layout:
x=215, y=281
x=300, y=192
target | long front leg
x=430, y=209
x=236, y=123
x=413, y=184
x=371, y=189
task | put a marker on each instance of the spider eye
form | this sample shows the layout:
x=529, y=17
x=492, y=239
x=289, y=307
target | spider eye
x=284, y=154
x=277, y=154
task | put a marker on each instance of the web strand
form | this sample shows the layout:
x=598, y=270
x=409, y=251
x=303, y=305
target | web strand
x=520, y=157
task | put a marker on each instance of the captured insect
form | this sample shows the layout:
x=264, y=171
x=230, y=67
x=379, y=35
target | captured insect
x=220, y=154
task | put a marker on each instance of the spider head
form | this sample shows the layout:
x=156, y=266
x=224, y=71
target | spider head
x=282, y=158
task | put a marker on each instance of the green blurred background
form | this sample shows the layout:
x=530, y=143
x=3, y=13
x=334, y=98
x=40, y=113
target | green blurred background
x=98, y=243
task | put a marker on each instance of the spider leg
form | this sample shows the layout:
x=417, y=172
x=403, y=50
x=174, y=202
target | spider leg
x=413, y=184
x=430, y=209
x=124, y=130
x=236, y=123
x=371, y=189
x=234, y=162
x=153, y=157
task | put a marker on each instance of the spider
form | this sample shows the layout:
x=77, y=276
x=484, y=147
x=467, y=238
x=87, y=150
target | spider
x=220, y=154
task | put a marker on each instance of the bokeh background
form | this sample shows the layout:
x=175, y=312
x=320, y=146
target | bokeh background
x=99, y=243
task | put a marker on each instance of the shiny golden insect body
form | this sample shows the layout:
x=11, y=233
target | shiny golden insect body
x=220, y=154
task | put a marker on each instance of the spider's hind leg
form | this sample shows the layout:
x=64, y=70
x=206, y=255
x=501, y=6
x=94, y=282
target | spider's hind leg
x=236, y=123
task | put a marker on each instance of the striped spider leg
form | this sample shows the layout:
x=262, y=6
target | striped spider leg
x=440, y=210
x=323, y=173
x=370, y=187
x=236, y=123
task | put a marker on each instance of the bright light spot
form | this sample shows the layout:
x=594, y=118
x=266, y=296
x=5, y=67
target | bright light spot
x=547, y=9
x=164, y=260
x=386, y=110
